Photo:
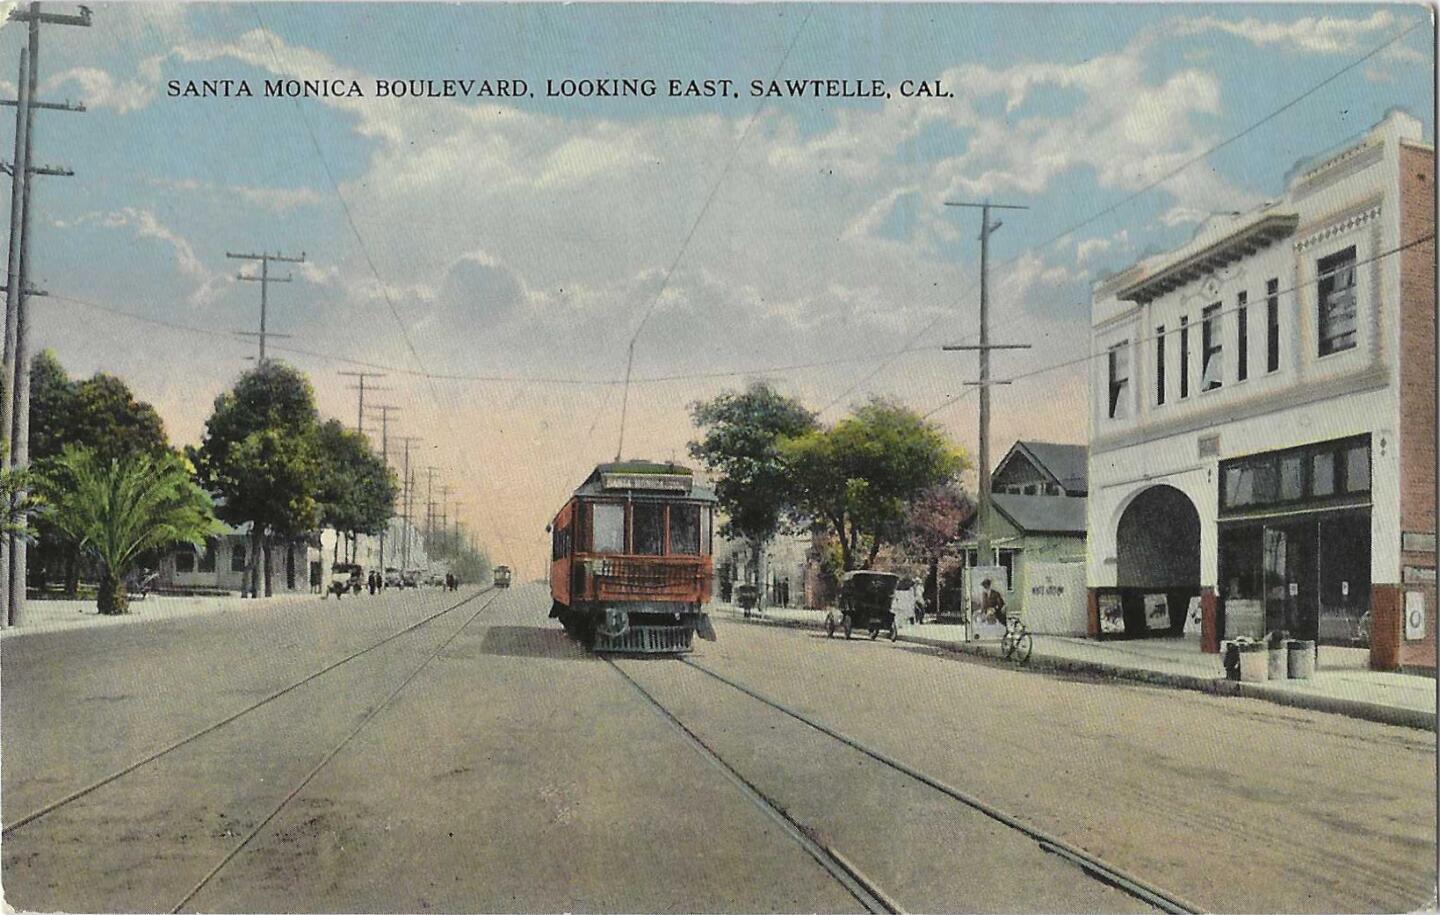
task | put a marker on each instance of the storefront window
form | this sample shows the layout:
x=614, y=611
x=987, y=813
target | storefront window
x=207, y=561
x=1322, y=474
x=237, y=557
x=608, y=528
x=185, y=560
x=685, y=529
x=1357, y=468
x=649, y=530
x=1292, y=477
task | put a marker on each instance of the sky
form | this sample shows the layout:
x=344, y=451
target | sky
x=496, y=256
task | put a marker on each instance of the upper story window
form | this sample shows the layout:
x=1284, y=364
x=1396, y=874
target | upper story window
x=1211, y=365
x=1184, y=358
x=1336, y=301
x=1160, y=365
x=1242, y=337
x=1119, y=379
x=1272, y=325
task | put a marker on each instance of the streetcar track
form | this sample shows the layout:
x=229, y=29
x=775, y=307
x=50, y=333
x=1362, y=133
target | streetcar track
x=1093, y=866
x=335, y=751
x=835, y=864
x=215, y=726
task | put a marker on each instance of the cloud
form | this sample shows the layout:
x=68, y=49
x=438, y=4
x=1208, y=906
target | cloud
x=1308, y=34
x=143, y=223
x=278, y=200
x=98, y=89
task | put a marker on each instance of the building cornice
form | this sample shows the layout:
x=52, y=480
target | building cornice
x=1233, y=247
x=1338, y=223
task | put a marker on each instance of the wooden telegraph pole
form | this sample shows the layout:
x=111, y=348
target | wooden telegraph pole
x=982, y=519
x=264, y=279
x=15, y=414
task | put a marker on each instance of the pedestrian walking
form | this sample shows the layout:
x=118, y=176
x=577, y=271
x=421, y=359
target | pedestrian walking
x=370, y=581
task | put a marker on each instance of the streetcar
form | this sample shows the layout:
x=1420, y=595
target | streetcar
x=630, y=559
x=502, y=576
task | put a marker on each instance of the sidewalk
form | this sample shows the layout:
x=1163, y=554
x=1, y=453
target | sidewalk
x=55, y=615
x=1342, y=684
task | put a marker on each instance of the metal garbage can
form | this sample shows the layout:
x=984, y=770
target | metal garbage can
x=1301, y=657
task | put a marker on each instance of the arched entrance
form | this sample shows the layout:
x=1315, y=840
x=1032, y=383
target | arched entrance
x=1157, y=551
x=1157, y=543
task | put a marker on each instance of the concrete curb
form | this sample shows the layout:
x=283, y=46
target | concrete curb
x=1350, y=708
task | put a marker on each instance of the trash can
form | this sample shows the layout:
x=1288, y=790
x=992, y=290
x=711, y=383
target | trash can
x=1301, y=655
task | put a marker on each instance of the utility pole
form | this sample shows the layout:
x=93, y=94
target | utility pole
x=982, y=519
x=429, y=509
x=408, y=485
x=444, y=512
x=15, y=423
x=385, y=411
x=360, y=411
x=264, y=279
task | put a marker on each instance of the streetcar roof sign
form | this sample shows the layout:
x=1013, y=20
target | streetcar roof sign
x=644, y=478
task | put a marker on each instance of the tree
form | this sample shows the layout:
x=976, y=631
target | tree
x=357, y=491
x=259, y=455
x=741, y=449
x=119, y=508
x=933, y=522
x=859, y=476
x=99, y=413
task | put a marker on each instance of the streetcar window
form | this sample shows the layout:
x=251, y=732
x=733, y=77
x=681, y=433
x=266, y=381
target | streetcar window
x=607, y=528
x=649, y=530
x=706, y=518
x=685, y=529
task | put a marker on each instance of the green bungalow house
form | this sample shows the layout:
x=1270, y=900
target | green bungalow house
x=1037, y=533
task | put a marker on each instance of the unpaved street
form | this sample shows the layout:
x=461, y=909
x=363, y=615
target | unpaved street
x=514, y=772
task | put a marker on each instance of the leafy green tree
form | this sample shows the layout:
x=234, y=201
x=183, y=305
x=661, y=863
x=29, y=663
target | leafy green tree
x=259, y=455
x=740, y=447
x=357, y=491
x=117, y=509
x=99, y=413
x=860, y=476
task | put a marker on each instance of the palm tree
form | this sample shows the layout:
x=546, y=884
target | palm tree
x=118, y=509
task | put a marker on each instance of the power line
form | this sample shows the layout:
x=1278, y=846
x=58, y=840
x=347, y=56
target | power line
x=699, y=217
x=1105, y=211
x=1144, y=338
x=502, y=379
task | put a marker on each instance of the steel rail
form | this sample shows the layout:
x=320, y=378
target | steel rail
x=836, y=865
x=334, y=751
x=1134, y=885
x=126, y=770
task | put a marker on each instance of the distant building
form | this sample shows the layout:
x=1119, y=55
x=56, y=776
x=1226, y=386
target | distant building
x=1263, y=417
x=220, y=568
x=1037, y=533
x=784, y=576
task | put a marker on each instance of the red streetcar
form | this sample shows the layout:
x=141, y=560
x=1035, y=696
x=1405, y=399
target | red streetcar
x=630, y=566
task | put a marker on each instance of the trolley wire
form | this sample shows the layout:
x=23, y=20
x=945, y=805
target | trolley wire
x=208, y=729
x=1107, y=210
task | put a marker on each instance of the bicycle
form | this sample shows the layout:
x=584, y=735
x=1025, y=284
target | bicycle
x=1017, y=643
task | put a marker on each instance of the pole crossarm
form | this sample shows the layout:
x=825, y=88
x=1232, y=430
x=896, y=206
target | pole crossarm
x=956, y=347
x=256, y=333
x=267, y=257
x=67, y=105
x=987, y=383
x=29, y=290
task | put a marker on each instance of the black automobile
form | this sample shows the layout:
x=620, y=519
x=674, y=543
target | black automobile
x=865, y=601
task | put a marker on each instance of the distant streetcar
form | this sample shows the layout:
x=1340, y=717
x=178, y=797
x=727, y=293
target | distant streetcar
x=630, y=559
x=502, y=576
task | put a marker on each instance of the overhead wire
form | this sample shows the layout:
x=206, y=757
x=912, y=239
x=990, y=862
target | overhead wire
x=1220, y=312
x=1105, y=211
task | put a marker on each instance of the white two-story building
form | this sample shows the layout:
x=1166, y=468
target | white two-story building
x=1263, y=417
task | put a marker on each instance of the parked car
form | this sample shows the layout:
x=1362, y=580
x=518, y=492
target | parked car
x=345, y=576
x=865, y=601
